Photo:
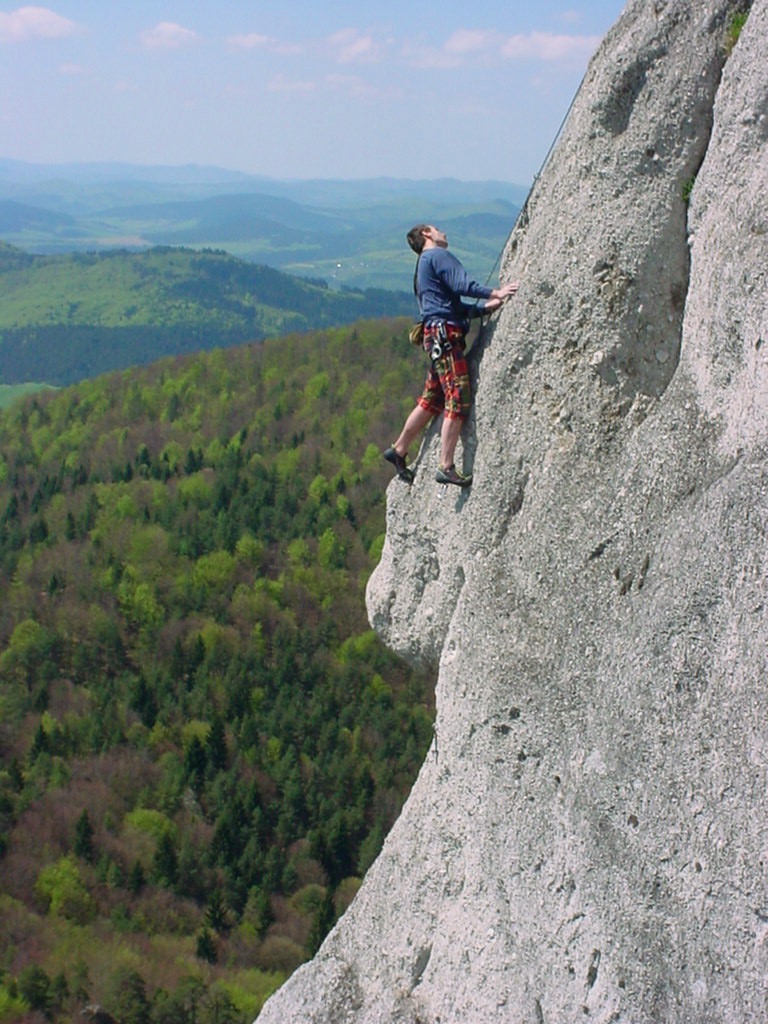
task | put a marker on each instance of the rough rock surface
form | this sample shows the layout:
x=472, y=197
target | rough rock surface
x=588, y=837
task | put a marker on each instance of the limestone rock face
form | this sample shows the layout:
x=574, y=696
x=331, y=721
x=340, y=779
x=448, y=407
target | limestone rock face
x=588, y=837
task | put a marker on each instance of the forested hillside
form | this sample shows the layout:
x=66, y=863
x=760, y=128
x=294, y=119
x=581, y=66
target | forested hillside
x=64, y=318
x=202, y=743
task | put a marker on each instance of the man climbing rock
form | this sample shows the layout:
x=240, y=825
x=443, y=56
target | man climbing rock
x=439, y=283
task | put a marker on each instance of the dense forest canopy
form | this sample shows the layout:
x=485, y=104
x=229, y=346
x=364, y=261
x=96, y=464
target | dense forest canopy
x=202, y=744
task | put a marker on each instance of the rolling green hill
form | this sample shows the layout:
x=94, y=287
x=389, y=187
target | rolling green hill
x=202, y=744
x=64, y=318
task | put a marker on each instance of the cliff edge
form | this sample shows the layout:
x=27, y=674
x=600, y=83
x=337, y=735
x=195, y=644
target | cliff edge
x=588, y=837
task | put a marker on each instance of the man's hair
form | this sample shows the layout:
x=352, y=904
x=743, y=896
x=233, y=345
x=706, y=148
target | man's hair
x=416, y=237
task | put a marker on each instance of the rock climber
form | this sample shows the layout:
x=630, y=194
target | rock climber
x=439, y=283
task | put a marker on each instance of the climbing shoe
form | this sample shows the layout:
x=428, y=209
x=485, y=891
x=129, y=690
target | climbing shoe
x=451, y=475
x=398, y=461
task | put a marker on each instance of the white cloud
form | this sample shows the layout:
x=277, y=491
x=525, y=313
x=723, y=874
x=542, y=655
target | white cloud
x=431, y=57
x=251, y=41
x=550, y=46
x=465, y=41
x=167, y=35
x=71, y=69
x=34, y=23
x=256, y=41
x=349, y=46
x=463, y=47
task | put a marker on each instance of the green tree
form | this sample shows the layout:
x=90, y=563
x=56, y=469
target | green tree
x=144, y=703
x=40, y=744
x=181, y=1006
x=25, y=658
x=216, y=745
x=61, y=886
x=136, y=878
x=195, y=761
x=322, y=923
x=16, y=775
x=165, y=865
x=218, y=1008
x=34, y=986
x=258, y=910
x=130, y=1003
x=216, y=912
x=59, y=991
x=370, y=848
x=206, y=947
x=84, y=837
x=38, y=531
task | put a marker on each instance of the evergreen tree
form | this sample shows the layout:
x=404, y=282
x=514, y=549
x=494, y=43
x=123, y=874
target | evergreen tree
x=206, y=947
x=144, y=703
x=34, y=986
x=136, y=878
x=193, y=877
x=183, y=1005
x=370, y=848
x=38, y=531
x=59, y=991
x=130, y=1004
x=40, y=743
x=165, y=866
x=12, y=509
x=16, y=775
x=218, y=1008
x=84, y=837
x=216, y=745
x=216, y=913
x=322, y=923
x=258, y=910
x=177, y=664
x=194, y=764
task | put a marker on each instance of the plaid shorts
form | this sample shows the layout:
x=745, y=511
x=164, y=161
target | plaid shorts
x=447, y=388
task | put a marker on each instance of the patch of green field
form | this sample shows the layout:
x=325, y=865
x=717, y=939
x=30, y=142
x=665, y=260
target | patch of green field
x=10, y=392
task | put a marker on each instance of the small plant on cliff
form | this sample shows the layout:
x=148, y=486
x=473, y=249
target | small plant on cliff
x=735, y=24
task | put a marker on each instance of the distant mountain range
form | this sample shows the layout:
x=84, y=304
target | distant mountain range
x=346, y=232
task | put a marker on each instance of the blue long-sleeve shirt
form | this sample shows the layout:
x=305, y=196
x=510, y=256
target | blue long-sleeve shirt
x=441, y=280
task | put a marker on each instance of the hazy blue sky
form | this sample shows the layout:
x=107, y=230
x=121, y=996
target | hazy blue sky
x=296, y=88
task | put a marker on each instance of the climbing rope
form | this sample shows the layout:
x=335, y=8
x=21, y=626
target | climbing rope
x=536, y=177
x=524, y=207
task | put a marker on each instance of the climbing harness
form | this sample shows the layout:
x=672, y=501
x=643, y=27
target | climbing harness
x=440, y=345
x=441, y=336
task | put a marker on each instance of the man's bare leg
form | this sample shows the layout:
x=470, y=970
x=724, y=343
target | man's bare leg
x=417, y=420
x=449, y=437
